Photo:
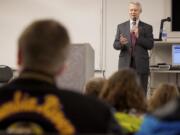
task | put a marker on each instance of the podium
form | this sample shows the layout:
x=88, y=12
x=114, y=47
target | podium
x=80, y=67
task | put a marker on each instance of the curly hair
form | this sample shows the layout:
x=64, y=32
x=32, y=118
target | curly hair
x=124, y=92
x=162, y=95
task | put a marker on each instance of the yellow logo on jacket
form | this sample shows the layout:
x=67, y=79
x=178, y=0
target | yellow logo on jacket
x=50, y=109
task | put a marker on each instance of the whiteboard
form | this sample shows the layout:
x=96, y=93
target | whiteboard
x=81, y=17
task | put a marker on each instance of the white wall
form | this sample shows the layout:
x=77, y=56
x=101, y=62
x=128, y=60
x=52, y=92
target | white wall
x=81, y=17
x=85, y=20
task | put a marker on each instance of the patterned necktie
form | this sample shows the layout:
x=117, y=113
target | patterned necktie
x=133, y=36
x=133, y=39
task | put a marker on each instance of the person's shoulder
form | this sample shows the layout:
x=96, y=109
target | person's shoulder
x=123, y=23
x=145, y=24
x=169, y=112
x=77, y=97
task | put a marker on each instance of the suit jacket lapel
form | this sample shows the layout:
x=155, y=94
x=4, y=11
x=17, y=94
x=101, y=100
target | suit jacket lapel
x=140, y=26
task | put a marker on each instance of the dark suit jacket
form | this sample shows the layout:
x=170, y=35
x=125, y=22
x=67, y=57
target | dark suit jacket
x=87, y=114
x=143, y=44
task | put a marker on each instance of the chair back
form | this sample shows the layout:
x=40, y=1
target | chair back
x=6, y=74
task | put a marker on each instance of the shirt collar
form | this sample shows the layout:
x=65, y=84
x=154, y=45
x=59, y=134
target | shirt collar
x=39, y=75
x=137, y=22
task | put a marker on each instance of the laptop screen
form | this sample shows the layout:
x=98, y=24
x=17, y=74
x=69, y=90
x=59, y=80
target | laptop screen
x=176, y=55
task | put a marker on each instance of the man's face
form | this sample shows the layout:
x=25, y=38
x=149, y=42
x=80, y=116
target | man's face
x=134, y=11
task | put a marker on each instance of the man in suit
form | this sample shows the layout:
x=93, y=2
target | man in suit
x=33, y=96
x=134, y=38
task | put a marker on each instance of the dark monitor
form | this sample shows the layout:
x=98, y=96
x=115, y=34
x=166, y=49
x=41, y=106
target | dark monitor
x=175, y=10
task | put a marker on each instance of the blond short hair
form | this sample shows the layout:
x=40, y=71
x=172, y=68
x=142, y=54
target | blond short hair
x=44, y=45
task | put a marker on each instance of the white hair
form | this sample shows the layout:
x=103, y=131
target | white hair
x=137, y=3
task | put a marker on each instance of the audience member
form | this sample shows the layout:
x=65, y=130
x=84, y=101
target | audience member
x=34, y=97
x=94, y=86
x=163, y=118
x=162, y=95
x=124, y=92
x=163, y=121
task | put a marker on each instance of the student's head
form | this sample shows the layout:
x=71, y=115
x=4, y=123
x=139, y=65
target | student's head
x=162, y=95
x=135, y=10
x=94, y=86
x=43, y=46
x=124, y=92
